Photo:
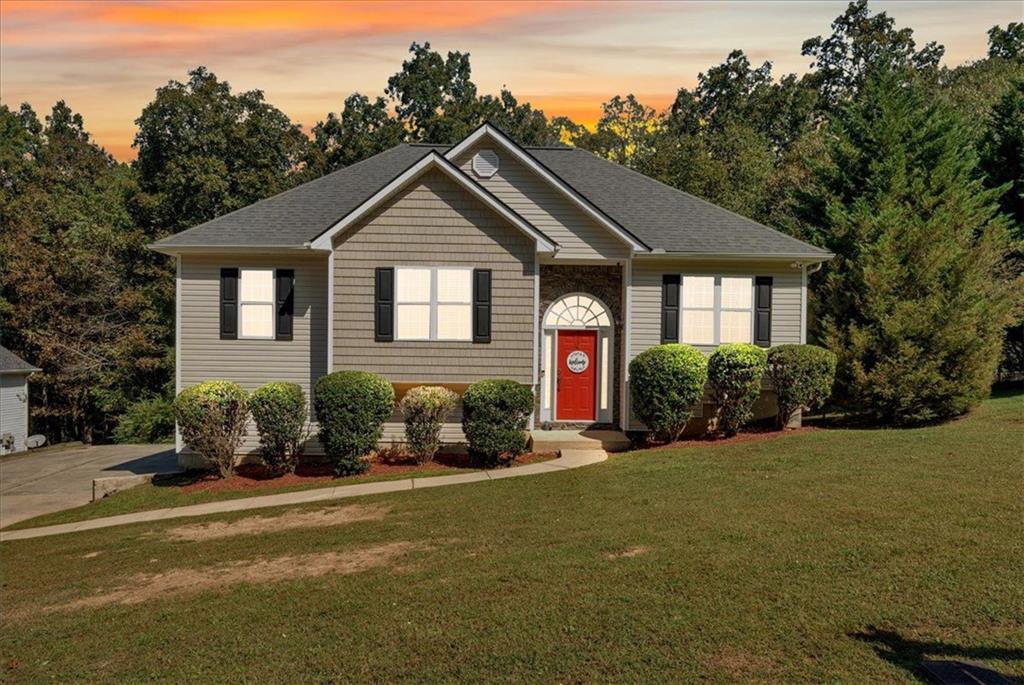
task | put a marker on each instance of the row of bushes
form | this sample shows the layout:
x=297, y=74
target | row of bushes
x=667, y=381
x=212, y=418
x=351, y=408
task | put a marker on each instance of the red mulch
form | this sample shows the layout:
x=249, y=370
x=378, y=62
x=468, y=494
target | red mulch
x=753, y=435
x=256, y=476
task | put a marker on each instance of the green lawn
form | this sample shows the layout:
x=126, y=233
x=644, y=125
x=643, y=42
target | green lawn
x=839, y=556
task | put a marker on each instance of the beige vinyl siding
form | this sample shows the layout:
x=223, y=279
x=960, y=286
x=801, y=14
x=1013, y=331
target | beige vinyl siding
x=578, y=235
x=434, y=222
x=251, y=363
x=645, y=293
x=14, y=408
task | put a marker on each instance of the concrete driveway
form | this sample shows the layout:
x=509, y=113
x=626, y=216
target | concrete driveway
x=42, y=482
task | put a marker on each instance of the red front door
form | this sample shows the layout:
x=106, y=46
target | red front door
x=577, y=375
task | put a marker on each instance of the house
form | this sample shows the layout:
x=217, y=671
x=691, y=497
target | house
x=450, y=264
x=14, y=373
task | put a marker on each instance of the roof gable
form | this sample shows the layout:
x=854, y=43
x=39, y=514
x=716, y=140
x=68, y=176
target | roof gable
x=432, y=160
x=523, y=157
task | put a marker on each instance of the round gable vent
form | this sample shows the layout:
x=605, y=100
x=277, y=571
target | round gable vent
x=485, y=163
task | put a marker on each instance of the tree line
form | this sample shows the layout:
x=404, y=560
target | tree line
x=910, y=172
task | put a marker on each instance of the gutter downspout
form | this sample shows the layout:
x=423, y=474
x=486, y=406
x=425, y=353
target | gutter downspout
x=805, y=271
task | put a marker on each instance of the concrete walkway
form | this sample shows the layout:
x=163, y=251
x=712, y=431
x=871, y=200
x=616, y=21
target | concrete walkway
x=569, y=459
x=57, y=478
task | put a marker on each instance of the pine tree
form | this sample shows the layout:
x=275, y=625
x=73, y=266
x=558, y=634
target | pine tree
x=915, y=303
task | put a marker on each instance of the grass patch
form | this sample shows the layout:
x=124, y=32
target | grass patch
x=834, y=555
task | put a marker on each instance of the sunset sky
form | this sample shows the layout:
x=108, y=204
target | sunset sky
x=106, y=59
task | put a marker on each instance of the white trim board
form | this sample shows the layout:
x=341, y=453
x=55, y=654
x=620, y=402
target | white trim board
x=433, y=160
x=178, y=444
x=330, y=312
x=526, y=159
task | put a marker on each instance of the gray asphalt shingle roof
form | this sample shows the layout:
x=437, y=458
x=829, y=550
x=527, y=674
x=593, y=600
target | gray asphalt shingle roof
x=12, y=363
x=663, y=217
x=660, y=216
x=298, y=215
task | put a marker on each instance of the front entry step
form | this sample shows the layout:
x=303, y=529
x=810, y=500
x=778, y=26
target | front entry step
x=555, y=440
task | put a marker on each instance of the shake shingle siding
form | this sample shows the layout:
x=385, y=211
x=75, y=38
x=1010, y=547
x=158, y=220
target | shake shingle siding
x=645, y=315
x=434, y=222
x=537, y=201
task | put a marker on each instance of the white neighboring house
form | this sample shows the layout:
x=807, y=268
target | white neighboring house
x=14, y=373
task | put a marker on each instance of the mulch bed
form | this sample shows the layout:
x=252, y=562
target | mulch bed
x=256, y=476
x=755, y=434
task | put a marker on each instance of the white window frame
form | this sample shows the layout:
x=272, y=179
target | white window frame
x=433, y=302
x=720, y=308
x=273, y=302
x=717, y=307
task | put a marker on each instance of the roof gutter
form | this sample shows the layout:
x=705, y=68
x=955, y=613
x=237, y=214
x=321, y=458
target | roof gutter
x=174, y=250
x=802, y=259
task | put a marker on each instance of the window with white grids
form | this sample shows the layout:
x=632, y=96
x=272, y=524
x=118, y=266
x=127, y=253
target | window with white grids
x=716, y=309
x=256, y=303
x=433, y=303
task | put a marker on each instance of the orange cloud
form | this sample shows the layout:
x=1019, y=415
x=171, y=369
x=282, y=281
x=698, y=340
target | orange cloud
x=347, y=16
x=250, y=15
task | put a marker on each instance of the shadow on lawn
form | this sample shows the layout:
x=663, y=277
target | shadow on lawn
x=919, y=657
x=836, y=418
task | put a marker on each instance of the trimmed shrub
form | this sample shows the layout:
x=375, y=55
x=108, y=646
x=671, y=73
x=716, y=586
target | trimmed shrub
x=495, y=413
x=280, y=411
x=424, y=409
x=666, y=381
x=211, y=417
x=149, y=420
x=735, y=371
x=351, y=408
x=801, y=376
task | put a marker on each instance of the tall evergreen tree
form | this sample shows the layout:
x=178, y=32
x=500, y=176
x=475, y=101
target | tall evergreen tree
x=916, y=301
x=1002, y=152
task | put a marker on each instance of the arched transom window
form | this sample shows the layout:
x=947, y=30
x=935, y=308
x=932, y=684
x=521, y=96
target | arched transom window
x=577, y=311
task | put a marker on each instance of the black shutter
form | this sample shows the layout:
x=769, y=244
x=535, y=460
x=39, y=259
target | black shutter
x=763, y=311
x=228, y=304
x=481, y=305
x=285, y=282
x=384, y=304
x=670, y=308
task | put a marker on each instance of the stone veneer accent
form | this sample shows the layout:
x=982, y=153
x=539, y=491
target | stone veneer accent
x=604, y=283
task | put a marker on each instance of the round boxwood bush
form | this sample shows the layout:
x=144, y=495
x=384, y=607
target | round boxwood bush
x=424, y=409
x=351, y=408
x=735, y=371
x=801, y=376
x=495, y=414
x=280, y=410
x=666, y=381
x=211, y=417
